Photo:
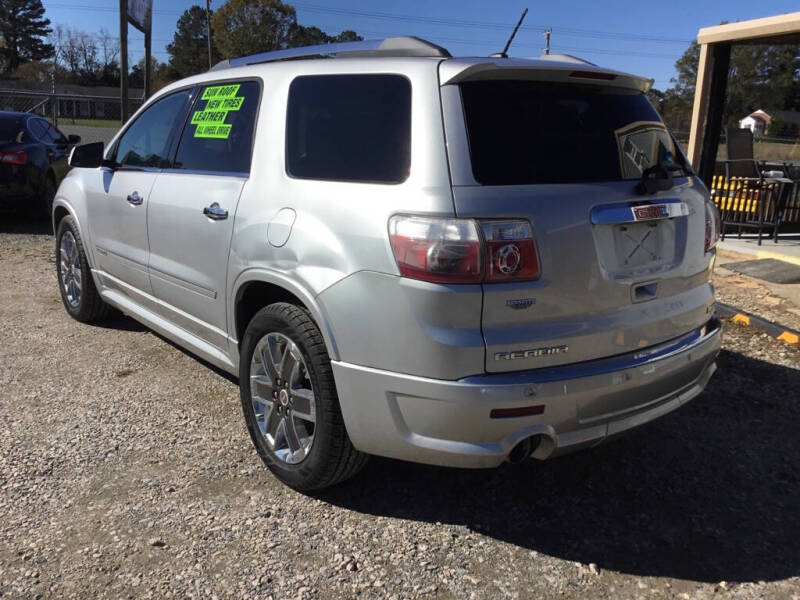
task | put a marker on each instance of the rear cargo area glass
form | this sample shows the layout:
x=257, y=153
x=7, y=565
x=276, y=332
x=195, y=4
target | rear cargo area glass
x=529, y=132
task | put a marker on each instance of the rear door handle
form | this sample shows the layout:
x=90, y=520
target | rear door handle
x=135, y=198
x=215, y=211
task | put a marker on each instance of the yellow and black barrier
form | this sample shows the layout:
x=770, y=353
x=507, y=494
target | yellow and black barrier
x=779, y=332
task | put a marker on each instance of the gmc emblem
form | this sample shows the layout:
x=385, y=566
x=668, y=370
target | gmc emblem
x=649, y=212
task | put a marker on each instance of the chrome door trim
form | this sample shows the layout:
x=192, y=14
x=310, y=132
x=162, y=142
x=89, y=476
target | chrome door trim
x=177, y=318
x=132, y=262
x=189, y=285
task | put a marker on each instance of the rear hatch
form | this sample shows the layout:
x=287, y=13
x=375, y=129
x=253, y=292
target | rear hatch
x=620, y=271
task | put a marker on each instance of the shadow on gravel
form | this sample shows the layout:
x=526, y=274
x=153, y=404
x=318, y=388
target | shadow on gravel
x=708, y=493
x=17, y=223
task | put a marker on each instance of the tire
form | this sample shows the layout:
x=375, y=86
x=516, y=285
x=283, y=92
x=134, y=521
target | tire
x=71, y=266
x=330, y=458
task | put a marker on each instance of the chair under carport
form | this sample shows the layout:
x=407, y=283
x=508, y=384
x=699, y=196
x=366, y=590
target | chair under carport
x=749, y=196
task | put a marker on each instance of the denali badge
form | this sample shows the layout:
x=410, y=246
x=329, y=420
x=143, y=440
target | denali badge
x=520, y=303
x=532, y=353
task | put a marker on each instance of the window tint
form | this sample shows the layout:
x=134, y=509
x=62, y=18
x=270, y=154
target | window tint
x=10, y=126
x=349, y=128
x=144, y=144
x=219, y=135
x=524, y=132
x=55, y=134
x=36, y=127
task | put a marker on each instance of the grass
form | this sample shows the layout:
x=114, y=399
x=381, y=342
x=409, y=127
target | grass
x=769, y=151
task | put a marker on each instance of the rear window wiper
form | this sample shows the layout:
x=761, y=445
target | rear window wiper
x=659, y=177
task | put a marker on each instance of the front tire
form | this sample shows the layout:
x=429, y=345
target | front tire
x=290, y=403
x=78, y=292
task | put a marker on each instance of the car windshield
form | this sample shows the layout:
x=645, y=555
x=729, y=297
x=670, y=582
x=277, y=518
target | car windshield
x=10, y=127
x=528, y=132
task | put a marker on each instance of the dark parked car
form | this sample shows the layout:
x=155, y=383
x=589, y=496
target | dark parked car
x=33, y=161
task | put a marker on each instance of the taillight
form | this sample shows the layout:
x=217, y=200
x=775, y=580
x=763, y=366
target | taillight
x=436, y=249
x=510, y=251
x=17, y=157
x=447, y=250
x=713, y=226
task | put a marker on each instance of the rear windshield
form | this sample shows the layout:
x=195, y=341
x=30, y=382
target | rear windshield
x=10, y=126
x=527, y=132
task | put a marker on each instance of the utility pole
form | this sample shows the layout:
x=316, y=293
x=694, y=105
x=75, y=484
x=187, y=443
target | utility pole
x=148, y=65
x=547, y=33
x=208, y=30
x=123, y=45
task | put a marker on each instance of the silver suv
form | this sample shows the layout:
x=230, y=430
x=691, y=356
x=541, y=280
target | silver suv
x=454, y=261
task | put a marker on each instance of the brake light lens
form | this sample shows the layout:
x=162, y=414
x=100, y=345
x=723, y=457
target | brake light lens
x=436, y=249
x=510, y=251
x=446, y=250
x=713, y=226
x=17, y=157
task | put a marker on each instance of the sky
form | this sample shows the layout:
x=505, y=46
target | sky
x=641, y=37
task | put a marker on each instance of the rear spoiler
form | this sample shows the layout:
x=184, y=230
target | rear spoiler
x=560, y=69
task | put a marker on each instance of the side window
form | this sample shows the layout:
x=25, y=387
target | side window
x=349, y=128
x=55, y=135
x=36, y=127
x=144, y=143
x=219, y=135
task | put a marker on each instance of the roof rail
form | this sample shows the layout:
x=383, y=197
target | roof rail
x=390, y=46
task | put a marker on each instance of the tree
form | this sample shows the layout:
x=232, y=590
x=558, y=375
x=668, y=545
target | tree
x=760, y=77
x=243, y=27
x=301, y=35
x=188, y=51
x=41, y=71
x=23, y=28
x=159, y=72
x=87, y=59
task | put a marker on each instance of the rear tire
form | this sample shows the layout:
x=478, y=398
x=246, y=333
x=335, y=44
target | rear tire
x=75, y=282
x=294, y=417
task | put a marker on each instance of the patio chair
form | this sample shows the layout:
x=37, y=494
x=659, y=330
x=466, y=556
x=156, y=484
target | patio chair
x=747, y=198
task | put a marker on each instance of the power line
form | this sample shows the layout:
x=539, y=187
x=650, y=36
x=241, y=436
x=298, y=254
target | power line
x=462, y=23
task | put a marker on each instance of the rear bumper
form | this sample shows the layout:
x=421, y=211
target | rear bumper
x=449, y=423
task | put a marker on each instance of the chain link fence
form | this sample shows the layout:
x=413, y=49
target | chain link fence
x=93, y=117
x=67, y=108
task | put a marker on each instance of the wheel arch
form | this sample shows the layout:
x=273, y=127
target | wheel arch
x=257, y=288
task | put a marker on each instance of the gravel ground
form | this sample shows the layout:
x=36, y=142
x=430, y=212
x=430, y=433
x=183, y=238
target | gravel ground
x=754, y=295
x=126, y=471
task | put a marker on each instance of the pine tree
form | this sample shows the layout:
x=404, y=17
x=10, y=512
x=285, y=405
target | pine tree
x=188, y=51
x=23, y=28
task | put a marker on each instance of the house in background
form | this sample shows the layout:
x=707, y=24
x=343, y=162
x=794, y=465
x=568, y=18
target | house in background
x=759, y=122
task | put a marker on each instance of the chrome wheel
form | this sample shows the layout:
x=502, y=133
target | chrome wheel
x=70, y=271
x=282, y=397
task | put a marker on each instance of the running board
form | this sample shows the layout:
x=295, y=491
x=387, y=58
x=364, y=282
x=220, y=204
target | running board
x=180, y=336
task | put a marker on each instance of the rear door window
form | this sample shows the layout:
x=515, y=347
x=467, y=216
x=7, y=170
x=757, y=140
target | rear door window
x=219, y=134
x=349, y=128
x=528, y=132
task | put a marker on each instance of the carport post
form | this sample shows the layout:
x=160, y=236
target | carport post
x=700, y=106
x=716, y=102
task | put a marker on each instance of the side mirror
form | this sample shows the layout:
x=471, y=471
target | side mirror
x=73, y=139
x=89, y=156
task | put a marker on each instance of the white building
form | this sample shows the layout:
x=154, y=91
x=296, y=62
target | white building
x=756, y=122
